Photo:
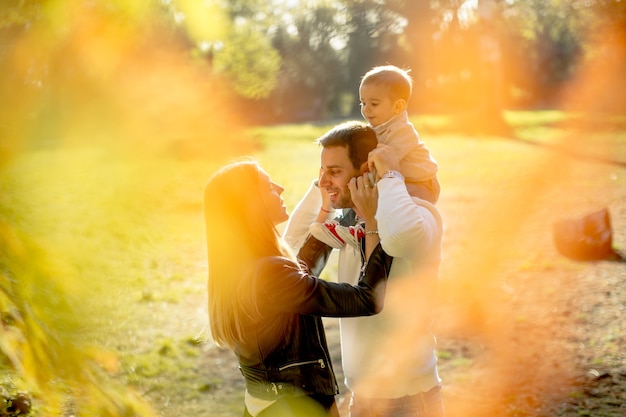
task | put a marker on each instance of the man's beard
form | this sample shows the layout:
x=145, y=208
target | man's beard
x=345, y=201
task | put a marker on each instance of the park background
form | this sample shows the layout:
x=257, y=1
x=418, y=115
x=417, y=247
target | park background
x=114, y=114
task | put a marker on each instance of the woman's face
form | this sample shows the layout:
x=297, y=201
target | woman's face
x=271, y=194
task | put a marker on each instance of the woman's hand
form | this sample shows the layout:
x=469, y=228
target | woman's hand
x=326, y=209
x=325, y=199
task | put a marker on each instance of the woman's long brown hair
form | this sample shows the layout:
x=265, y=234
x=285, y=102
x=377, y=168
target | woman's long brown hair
x=239, y=233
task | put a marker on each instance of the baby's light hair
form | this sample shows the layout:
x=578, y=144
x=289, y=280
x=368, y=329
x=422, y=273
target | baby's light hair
x=394, y=79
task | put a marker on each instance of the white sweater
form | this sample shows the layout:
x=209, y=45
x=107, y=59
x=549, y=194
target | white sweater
x=416, y=162
x=391, y=354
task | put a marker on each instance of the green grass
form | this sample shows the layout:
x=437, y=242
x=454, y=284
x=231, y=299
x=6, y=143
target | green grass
x=129, y=231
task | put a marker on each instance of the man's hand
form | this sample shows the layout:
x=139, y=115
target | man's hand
x=364, y=196
x=383, y=159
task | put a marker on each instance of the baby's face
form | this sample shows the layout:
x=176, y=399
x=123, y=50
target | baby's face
x=377, y=107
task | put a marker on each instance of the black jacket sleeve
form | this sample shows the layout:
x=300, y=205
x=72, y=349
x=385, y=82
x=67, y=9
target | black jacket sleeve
x=284, y=288
x=314, y=255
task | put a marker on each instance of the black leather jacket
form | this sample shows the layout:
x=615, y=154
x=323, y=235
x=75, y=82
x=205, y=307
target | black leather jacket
x=286, y=353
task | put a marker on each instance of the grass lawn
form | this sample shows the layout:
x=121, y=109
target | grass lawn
x=127, y=236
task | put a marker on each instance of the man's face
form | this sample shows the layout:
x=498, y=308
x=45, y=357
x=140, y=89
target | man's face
x=335, y=174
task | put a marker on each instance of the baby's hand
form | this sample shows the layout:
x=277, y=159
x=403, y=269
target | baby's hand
x=383, y=159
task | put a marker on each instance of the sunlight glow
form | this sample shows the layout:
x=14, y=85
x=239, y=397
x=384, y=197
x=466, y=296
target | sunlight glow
x=467, y=12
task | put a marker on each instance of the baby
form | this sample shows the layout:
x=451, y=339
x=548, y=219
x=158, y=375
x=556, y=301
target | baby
x=384, y=94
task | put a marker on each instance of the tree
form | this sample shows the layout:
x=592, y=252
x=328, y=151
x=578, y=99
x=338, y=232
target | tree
x=545, y=42
x=373, y=31
x=311, y=73
x=249, y=61
x=233, y=37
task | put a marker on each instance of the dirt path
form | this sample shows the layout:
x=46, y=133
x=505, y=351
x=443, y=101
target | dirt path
x=546, y=337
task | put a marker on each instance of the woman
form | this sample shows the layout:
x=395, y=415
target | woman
x=266, y=306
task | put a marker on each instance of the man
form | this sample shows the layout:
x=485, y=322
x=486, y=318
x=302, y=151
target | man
x=389, y=360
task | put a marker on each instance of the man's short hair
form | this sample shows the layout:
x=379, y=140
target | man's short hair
x=397, y=81
x=357, y=137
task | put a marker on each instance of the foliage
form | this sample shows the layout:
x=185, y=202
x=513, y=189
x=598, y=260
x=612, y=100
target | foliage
x=522, y=53
x=302, y=60
x=232, y=40
x=311, y=68
x=205, y=21
x=249, y=61
x=550, y=37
